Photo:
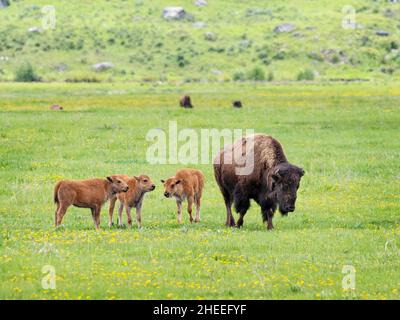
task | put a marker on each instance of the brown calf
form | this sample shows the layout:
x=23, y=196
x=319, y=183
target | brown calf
x=133, y=198
x=92, y=194
x=186, y=184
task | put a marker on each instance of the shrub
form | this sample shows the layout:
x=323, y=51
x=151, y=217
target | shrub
x=256, y=74
x=239, y=76
x=26, y=73
x=306, y=74
x=270, y=76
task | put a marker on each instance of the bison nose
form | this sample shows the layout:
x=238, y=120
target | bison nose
x=290, y=209
x=166, y=194
x=153, y=187
x=126, y=189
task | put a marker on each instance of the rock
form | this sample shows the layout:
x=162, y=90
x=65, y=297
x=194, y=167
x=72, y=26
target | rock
x=199, y=24
x=61, y=67
x=201, y=3
x=34, y=30
x=244, y=43
x=237, y=104
x=56, y=107
x=382, y=33
x=285, y=27
x=258, y=12
x=175, y=13
x=4, y=3
x=210, y=36
x=103, y=66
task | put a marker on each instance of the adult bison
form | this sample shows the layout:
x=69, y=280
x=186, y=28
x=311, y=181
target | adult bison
x=271, y=182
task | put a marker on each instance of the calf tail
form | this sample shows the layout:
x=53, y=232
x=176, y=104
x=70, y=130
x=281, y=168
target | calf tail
x=56, y=188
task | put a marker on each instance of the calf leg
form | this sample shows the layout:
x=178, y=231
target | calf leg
x=190, y=208
x=197, y=202
x=60, y=213
x=179, y=206
x=139, y=216
x=96, y=216
x=120, y=209
x=55, y=214
x=111, y=212
x=128, y=214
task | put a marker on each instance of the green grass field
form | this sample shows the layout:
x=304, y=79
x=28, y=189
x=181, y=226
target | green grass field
x=346, y=137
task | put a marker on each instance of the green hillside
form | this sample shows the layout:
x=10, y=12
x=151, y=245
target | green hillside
x=222, y=41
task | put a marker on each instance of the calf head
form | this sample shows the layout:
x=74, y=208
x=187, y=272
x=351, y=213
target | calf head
x=284, y=181
x=172, y=187
x=117, y=185
x=144, y=183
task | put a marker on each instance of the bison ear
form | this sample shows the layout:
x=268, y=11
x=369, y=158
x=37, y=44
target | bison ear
x=178, y=181
x=109, y=179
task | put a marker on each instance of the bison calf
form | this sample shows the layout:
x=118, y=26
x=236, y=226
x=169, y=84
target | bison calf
x=92, y=194
x=186, y=184
x=133, y=198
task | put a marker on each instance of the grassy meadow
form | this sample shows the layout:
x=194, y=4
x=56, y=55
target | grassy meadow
x=223, y=41
x=345, y=136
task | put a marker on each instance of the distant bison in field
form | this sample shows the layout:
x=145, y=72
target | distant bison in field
x=272, y=182
x=186, y=102
x=237, y=104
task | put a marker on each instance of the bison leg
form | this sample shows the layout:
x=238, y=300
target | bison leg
x=60, y=214
x=111, y=211
x=242, y=204
x=120, y=209
x=129, y=216
x=190, y=208
x=96, y=217
x=197, y=202
x=230, y=220
x=267, y=214
x=179, y=207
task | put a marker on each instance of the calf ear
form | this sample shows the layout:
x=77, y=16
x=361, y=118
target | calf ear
x=137, y=178
x=178, y=181
x=110, y=179
x=162, y=181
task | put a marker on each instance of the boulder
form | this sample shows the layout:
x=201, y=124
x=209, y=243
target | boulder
x=174, y=13
x=4, y=3
x=103, y=66
x=210, y=36
x=201, y=3
x=382, y=33
x=285, y=27
x=34, y=30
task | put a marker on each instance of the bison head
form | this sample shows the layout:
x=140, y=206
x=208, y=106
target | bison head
x=284, y=182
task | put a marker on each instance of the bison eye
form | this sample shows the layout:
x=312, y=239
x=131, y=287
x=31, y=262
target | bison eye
x=119, y=181
x=172, y=185
x=145, y=180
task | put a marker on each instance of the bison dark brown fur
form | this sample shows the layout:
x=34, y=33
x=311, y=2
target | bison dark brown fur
x=186, y=102
x=272, y=183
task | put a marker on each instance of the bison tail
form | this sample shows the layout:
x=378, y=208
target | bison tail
x=56, y=188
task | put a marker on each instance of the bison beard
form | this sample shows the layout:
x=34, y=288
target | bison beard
x=272, y=184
